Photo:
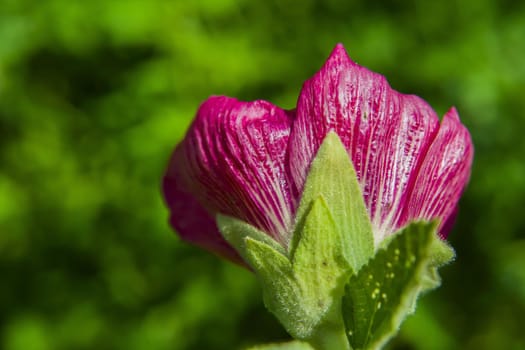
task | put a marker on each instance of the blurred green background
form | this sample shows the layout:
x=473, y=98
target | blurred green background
x=95, y=94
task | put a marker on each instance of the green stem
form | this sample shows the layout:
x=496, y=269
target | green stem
x=330, y=337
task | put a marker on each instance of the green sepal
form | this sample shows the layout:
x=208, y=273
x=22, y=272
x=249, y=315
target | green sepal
x=281, y=293
x=320, y=267
x=333, y=177
x=379, y=297
x=236, y=231
x=293, y=345
x=303, y=283
x=303, y=291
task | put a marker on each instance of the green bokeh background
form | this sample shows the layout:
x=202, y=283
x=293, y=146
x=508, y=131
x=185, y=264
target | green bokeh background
x=95, y=94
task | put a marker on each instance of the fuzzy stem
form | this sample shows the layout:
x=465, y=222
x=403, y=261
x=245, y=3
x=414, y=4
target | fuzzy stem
x=330, y=337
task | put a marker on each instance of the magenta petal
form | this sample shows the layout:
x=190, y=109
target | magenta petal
x=448, y=223
x=385, y=132
x=192, y=222
x=250, y=160
x=443, y=174
x=232, y=162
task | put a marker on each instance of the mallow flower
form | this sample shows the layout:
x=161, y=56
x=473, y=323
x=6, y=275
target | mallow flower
x=250, y=160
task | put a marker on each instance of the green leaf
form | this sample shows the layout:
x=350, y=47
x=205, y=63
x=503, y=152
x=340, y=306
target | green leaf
x=333, y=177
x=441, y=253
x=294, y=345
x=385, y=290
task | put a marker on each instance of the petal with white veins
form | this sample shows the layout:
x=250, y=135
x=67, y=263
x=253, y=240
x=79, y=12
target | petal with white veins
x=232, y=161
x=443, y=174
x=386, y=133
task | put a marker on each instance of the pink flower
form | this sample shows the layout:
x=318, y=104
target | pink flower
x=250, y=160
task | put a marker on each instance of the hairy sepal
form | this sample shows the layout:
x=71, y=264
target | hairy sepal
x=302, y=289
